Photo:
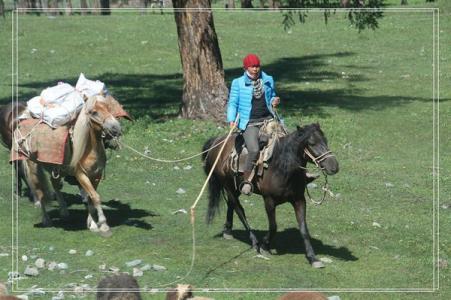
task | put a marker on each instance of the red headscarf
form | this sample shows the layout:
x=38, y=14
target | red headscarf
x=251, y=60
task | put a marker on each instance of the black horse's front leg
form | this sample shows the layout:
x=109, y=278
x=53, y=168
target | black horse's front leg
x=299, y=206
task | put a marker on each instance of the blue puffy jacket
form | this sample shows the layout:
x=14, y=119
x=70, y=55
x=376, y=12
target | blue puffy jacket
x=240, y=98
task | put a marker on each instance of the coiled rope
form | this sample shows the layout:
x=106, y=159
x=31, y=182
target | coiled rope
x=193, y=207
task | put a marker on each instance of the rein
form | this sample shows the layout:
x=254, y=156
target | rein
x=317, y=161
x=166, y=160
x=325, y=188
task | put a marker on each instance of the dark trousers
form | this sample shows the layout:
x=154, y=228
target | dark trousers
x=250, y=135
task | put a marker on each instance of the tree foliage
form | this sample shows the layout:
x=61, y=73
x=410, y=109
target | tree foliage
x=361, y=14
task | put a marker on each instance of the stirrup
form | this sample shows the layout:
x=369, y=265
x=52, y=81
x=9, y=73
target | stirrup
x=244, y=190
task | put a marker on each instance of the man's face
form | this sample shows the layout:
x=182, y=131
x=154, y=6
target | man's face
x=253, y=71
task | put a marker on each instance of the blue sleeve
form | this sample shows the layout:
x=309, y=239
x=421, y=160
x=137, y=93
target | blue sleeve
x=273, y=89
x=232, y=104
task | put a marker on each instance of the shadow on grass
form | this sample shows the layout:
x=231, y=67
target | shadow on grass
x=289, y=241
x=117, y=214
x=159, y=96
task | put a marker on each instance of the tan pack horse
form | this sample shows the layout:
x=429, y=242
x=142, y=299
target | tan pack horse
x=84, y=159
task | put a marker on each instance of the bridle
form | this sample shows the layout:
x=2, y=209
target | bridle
x=319, y=159
x=100, y=122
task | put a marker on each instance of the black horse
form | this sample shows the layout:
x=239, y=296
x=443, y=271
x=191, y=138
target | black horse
x=283, y=181
x=8, y=122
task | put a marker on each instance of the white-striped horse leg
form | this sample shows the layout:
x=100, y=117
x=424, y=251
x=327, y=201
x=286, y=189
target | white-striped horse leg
x=90, y=222
x=84, y=195
x=86, y=184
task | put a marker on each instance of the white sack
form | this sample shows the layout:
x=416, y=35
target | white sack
x=90, y=88
x=57, y=105
x=60, y=104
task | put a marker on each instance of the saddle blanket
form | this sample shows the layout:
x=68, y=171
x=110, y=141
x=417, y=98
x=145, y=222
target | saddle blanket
x=36, y=140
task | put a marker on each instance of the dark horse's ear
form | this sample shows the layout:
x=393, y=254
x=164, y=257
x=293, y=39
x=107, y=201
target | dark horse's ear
x=298, y=127
x=317, y=125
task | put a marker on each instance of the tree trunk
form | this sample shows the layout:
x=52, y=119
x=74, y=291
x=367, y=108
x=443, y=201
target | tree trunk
x=274, y=4
x=2, y=8
x=69, y=7
x=230, y=4
x=39, y=5
x=204, y=90
x=96, y=7
x=105, y=5
x=246, y=4
x=84, y=7
x=22, y=3
x=52, y=6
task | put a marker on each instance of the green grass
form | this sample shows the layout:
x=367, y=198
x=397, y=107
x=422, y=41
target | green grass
x=371, y=92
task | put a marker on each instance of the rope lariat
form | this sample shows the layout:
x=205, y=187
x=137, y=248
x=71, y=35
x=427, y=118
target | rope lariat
x=166, y=160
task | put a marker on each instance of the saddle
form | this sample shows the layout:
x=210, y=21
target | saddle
x=269, y=133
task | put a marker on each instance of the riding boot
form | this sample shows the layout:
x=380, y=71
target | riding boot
x=246, y=186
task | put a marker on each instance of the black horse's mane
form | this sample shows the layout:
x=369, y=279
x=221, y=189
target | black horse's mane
x=287, y=154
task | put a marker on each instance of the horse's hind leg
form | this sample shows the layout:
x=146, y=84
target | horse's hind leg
x=227, y=232
x=23, y=176
x=299, y=206
x=39, y=185
x=240, y=212
x=57, y=186
x=18, y=167
x=271, y=214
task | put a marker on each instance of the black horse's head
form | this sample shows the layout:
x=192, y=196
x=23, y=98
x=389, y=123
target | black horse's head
x=316, y=149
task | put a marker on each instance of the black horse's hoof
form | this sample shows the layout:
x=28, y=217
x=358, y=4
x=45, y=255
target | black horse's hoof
x=227, y=235
x=45, y=223
x=265, y=252
x=265, y=249
x=318, y=264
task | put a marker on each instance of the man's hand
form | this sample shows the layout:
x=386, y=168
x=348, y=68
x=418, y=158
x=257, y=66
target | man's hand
x=232, y=124
x=275, y=101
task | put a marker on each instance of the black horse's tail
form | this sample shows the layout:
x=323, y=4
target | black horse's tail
x=215, y=189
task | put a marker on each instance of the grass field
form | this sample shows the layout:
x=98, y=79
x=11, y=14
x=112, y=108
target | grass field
x=372, y=94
